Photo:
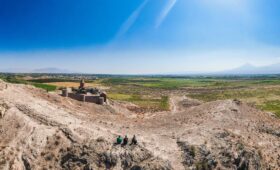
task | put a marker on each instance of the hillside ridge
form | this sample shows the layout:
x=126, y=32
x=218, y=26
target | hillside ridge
x=44, y=130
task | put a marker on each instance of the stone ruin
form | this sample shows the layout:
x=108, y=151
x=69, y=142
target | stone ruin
x=85, y=94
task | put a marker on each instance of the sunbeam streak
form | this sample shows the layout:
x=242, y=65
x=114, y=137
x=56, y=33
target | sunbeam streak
x=131, y=20
x=164, y=13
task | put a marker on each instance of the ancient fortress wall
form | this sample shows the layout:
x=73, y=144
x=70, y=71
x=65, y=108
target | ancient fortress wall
x=78, y=97
x=85, y=98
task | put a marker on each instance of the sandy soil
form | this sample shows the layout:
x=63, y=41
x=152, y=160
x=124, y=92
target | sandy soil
x=40, y=130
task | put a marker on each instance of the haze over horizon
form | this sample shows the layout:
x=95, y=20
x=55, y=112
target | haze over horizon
x=140, y=36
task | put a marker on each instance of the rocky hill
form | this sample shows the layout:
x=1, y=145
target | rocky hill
x=40, y=130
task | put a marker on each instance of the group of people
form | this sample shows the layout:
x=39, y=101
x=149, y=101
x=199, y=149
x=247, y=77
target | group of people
x=124, y=141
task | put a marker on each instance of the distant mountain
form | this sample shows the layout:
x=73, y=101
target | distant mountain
x=51, y=70
x=245, y=69
x=250, y=69
x=14, y=70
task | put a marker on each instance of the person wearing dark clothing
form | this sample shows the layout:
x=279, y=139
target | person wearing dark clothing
x=125, y=141
x=134, y=140
x=119, y=140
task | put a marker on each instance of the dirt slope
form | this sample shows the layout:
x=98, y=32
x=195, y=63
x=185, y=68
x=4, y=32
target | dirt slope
x=46, y=131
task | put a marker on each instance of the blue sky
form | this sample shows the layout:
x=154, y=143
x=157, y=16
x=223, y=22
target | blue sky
x=138, y=36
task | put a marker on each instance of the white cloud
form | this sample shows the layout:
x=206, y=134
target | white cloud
x=164, y=13
x=131, y=20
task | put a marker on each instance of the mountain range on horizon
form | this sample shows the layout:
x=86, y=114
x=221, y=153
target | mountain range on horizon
x=251, y=69
x=243, y=69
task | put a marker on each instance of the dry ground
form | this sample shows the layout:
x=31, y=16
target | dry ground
x=40, y=130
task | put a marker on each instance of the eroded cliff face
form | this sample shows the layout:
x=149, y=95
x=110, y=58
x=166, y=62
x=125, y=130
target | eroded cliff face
x=45, y=131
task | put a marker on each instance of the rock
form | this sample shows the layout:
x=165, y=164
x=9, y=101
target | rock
x=197, y=157
x=270, y=130
x=154, y=164
x=3, y=108
x=101, y=154
x=232, y=157
x=237, y=102
x=237, y=156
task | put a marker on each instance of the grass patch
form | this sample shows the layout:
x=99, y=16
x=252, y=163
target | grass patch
x=146, y=102
x=272, y=106
x=122, y=97
x=164, y=103
x=159, y=104
x=46, y=87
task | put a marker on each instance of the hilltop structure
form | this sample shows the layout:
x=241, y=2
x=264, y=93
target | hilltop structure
x=92, y=95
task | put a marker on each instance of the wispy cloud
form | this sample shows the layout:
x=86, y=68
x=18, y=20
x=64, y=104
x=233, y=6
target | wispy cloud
x=131, y=20
x=164, y=13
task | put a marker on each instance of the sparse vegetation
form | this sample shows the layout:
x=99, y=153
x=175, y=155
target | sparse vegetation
x=146, y=102
x=272, y=106
x=192, y=151
x=19, y=80
x=201, y=166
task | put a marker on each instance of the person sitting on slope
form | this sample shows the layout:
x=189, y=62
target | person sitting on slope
x=119, y=140
x=125, y=141
x=134, y=140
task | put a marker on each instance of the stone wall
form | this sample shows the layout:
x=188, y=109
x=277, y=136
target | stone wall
x=86, y=98
x=92, y=99
x=79, y=97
